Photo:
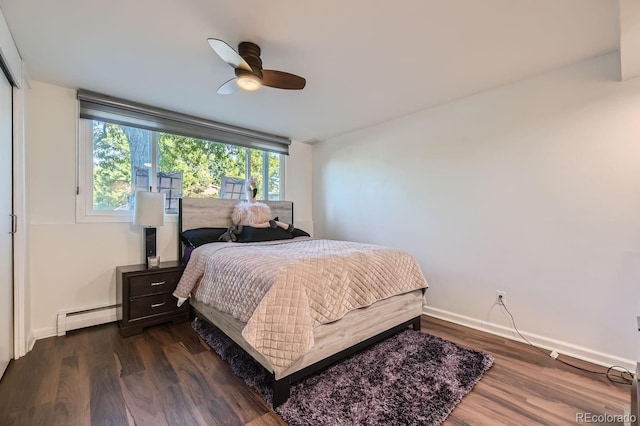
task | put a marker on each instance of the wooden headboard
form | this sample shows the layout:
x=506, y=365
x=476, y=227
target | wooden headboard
x=216, y=213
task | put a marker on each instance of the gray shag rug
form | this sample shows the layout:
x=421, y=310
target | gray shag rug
x=411, y=378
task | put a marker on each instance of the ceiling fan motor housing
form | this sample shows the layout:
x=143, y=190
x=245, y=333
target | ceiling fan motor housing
x=250, y=52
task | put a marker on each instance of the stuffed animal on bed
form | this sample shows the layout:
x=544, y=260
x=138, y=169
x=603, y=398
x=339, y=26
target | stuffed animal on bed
x=252, y=213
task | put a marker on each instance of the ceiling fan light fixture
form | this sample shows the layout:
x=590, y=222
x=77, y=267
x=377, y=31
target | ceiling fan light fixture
x=249, y=82
x=248, y=69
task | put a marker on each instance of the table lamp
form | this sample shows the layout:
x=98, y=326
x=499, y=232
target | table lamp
x=149, y=212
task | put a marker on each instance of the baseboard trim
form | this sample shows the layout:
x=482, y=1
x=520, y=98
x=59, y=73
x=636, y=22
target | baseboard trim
x=43, y=333
x=564, y=348
x=31, y=340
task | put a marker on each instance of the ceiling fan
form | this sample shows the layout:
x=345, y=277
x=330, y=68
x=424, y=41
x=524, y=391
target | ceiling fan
x=248, y=67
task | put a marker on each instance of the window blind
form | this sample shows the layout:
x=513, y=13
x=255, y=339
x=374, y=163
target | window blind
x=96, y=106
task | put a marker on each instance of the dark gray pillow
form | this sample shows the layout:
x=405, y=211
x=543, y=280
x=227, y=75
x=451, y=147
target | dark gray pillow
x=250, y=234
x=299, y=233
x=199, y=236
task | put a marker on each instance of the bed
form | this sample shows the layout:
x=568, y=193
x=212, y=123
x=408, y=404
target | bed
x=297, y=323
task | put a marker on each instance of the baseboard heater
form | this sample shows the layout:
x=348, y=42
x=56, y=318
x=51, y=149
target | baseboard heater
x=68, y=321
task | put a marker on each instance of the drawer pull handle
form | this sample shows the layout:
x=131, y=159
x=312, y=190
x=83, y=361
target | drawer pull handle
x=157, y=305
x=158, y=283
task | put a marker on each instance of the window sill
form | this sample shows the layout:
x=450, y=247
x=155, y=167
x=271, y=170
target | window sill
x=106, y=218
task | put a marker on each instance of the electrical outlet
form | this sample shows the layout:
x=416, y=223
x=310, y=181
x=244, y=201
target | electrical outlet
x=501, y=297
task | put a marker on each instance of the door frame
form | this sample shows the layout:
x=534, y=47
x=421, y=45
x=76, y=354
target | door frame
x=14, y=67
x=23, y=340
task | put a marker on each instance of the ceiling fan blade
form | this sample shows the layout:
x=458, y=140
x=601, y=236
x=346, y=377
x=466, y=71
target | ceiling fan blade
x=228, y=87
x=227, y=54
x=282, y=80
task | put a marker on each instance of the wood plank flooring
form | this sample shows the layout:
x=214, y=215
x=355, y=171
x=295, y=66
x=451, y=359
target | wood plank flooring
x=527, y=387
x=167, y=376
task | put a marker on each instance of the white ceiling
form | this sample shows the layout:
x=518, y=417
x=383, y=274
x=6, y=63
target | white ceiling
x=365, y=61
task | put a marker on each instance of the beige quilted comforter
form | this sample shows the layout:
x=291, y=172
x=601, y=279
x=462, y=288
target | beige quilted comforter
x=283, y=289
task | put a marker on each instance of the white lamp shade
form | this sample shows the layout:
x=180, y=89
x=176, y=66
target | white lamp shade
x=149, y=208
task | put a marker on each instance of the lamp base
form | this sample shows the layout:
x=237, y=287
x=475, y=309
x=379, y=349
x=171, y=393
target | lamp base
x=149, y=244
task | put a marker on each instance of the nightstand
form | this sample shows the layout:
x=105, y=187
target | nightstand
x=144, y=296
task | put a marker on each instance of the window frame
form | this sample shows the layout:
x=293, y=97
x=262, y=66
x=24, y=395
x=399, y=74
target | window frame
x=85, y=212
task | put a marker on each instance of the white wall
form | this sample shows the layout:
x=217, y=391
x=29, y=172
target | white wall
x=72, y=265
x=532, y=188
x=298, y=184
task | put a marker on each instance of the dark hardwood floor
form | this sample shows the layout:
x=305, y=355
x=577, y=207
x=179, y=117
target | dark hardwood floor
x=167, y=376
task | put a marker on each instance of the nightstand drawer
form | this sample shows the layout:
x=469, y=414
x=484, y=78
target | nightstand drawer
x=153, y=283
x=152, y=305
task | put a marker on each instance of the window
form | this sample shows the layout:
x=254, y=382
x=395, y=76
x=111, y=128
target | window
x=125, y=146
x=117, y=160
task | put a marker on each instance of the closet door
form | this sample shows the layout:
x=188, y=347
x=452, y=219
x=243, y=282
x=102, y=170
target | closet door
x=6, y=224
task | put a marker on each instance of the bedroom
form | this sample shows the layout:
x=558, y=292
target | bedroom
x=527, y=185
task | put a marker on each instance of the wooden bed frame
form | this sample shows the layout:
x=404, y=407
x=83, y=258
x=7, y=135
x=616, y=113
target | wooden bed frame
x=334, y=341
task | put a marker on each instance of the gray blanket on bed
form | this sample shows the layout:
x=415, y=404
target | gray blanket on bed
x=283, y=289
